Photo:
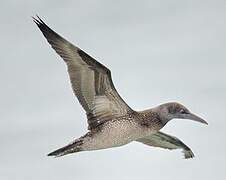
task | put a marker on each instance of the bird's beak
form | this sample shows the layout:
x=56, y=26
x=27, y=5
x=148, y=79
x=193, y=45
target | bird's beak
x=194, y=118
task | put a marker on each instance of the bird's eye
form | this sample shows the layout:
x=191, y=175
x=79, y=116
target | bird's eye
x=182, y=111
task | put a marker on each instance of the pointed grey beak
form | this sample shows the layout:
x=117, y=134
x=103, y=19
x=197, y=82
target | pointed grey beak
x=194, y=118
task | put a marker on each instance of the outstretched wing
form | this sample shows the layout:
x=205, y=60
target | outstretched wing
x=91, y=81
x=166, y=141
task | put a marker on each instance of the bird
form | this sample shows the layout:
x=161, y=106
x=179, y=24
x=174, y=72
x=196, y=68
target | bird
x=111, y=121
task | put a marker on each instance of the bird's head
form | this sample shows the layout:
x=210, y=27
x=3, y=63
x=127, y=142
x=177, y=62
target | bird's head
x=173, y=110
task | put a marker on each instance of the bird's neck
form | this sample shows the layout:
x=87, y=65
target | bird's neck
x=152, y=117
x=156, y=114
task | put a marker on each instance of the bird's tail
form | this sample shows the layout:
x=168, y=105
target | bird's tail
x=73, y=147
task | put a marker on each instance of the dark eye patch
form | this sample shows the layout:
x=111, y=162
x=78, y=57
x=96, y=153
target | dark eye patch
x=183, y=111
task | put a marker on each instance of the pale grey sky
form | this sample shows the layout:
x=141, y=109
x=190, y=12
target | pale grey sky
x=157, y=50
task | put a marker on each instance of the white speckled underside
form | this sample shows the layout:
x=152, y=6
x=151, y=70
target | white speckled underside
x=115, y=133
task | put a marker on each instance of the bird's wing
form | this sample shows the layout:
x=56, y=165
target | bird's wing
x=166, y=141
x=91, y=81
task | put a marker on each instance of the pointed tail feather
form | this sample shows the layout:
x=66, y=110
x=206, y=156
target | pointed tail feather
x=70, y=148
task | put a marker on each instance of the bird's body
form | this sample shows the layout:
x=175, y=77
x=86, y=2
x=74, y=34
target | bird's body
x=111, y=121
x=115, y=133
x=120, y=131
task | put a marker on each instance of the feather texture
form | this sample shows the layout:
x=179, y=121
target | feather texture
x=91, y=81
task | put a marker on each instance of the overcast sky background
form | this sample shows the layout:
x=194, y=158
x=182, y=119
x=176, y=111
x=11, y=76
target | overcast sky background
x=157, y=50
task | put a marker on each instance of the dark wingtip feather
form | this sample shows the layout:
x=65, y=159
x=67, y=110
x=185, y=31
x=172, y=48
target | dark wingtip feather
x=45, y=29
x=188, y=154
x=34, y=20
x=37, y=20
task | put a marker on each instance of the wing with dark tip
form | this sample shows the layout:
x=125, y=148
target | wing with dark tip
x=166, y=141
x=91, y=81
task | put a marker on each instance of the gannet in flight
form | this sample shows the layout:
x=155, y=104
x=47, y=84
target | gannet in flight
x=111, y=122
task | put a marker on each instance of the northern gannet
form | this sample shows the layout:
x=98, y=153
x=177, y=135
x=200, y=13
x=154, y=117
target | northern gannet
x=111, y=122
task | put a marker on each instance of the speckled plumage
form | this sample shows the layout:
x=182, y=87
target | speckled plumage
x=111, y=122
x=122, y=130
